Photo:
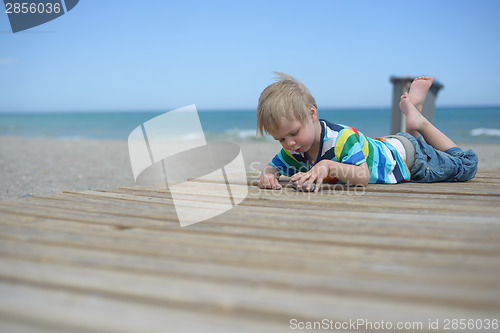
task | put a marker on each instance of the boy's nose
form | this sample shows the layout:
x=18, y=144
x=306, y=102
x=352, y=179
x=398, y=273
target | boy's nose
x=289, y=143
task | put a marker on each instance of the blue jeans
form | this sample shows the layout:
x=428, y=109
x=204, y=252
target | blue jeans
x=432, y=165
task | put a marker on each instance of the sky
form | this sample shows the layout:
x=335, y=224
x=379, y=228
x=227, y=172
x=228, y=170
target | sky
x=160, y=55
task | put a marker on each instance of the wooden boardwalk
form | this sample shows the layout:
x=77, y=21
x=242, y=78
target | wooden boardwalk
x=118, y=261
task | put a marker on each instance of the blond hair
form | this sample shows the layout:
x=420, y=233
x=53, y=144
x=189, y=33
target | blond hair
x=288, y=97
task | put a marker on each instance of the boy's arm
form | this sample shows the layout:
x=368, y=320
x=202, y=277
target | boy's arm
x=269, y=178
x=348, y=173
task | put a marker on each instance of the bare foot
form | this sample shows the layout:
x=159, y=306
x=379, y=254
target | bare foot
x=416, y=124
x=418, y=90
x=414, y=119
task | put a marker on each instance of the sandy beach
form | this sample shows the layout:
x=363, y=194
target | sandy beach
x=41, y=166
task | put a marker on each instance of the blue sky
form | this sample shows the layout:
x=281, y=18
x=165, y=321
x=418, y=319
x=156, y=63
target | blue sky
x=160, y=55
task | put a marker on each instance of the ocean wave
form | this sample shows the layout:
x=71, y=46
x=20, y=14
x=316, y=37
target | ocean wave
x=236, y=134
x=485, y=131
x=191, y=136
x=248, y=134
x=231, y=135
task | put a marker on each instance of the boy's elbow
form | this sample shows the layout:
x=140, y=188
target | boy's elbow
x=364, y=182
x=360, y=180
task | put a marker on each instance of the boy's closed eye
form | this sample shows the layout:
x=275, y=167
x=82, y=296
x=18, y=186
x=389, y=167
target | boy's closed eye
x=291, y=134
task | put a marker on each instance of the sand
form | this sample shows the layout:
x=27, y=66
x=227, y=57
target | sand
x=41, y=166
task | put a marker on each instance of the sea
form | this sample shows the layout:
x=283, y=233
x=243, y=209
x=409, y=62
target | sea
x=461, y=124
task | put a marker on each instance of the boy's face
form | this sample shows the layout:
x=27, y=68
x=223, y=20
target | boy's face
x=295, y=135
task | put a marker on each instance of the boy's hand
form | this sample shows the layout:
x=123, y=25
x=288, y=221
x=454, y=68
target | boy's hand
x=356, y=175
x=269, y=181
x=269, y=178
x=315, y=175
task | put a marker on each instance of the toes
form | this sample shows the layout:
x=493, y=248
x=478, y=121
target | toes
x=425, y=78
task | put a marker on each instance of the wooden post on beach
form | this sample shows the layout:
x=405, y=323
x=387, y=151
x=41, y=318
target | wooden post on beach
x=402, y=85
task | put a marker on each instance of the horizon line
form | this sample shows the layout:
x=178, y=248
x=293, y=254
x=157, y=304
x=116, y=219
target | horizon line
x=225, y=109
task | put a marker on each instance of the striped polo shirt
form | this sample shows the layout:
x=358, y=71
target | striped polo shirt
x=345, y=144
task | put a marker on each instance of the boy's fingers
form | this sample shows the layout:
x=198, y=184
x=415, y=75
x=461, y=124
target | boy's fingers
x=264, y=185
x=269, y=185
x=300, y=181
x=303, y=179
x=311, y=181
x=318, y=184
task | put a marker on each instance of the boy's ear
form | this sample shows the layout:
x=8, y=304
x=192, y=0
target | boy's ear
x=313, y=113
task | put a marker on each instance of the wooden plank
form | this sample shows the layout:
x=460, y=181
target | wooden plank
x=409, y=250
x=57, y=309
x=277, y=212
x=256, y=244
x=209, y=268
x=322, y=197
x=343, y=226
x=396, y=203
x=286, y=258
x=476, y=240
x=268, y=201
x=273, y=301
x=322, y=278
x=206, y=247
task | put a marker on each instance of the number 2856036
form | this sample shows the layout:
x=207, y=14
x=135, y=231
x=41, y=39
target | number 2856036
x=32, y=8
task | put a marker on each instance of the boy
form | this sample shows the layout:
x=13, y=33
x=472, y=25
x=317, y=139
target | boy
x=315, y=150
